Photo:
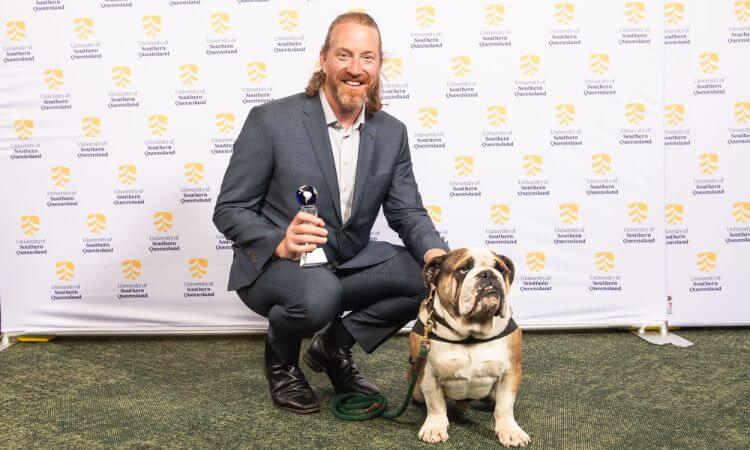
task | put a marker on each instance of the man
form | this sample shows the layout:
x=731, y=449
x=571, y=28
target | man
x=335, y=138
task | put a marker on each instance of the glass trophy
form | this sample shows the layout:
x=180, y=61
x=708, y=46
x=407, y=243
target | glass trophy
x=306, y=197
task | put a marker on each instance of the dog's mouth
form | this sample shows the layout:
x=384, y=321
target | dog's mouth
x=487, y=300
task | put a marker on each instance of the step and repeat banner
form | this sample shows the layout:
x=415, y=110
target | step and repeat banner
x=537, y=129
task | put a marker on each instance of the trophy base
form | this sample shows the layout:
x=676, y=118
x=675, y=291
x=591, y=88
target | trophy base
x=315, y=258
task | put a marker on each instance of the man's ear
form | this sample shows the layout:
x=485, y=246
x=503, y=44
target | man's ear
x=432, y=270
x=509, y=265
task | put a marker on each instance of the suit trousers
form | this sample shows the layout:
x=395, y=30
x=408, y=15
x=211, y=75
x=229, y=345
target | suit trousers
x=301, y=301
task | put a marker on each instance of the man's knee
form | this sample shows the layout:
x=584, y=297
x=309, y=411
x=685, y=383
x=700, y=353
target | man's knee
x=318, y=304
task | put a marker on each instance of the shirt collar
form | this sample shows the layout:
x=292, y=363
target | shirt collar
x=330, y=116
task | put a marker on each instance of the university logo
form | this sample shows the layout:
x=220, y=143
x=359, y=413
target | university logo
x=220, y=22
x=674, y=12
x=121, y=76
x=530, y=64
x=568, y=213
x=54, y=78
x=24, y=128
x=428, y=117
x=599, y=63
x=742, y=112
x=194, y=172
x=496, y=115
x=435, y=212
x=392, y=68
x=741, y=10
x=157, y=124
x=565, y=114
x=605, y=261
x=740, y=212
x=60, y=176
x=674, y=213
x=464, y=165
x=127, y=173
x=358, y=10
x=131, y=269
x=706, y=261
x=188, y=74
x=494, y=14
x=163, y=221
x=708, y=163
x=256, y=71
x=97, y=222
x=84, y=27
x=30, y=225
x=15, y=30
x=635, y=112
x=675, y=114
x=637, y=212
x=151, y=25
x=634, y=12
x=198, y=267
x=65, y=270
x=461, y=66
x=91, y=127
x=532, y=164
x=425, y=16
x=225, y=122
x=564, y=13
x=601, y=163
x=536, y=261
x=288, y=20
x=500, y=214
x=709, y=62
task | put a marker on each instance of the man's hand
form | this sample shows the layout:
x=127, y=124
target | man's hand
x=302, y=236
x=432, y=254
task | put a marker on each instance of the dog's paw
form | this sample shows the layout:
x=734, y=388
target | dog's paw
x=434, y=430
x=511, y=435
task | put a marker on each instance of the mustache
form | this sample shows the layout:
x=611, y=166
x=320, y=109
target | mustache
x=345, y=76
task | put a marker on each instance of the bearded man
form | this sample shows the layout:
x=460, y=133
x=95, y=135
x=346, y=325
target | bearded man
x=334, y=137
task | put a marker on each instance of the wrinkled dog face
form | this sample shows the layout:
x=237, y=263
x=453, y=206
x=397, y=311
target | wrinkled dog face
x=472, y=283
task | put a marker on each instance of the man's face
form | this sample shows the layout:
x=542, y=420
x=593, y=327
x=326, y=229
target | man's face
x=351, y=65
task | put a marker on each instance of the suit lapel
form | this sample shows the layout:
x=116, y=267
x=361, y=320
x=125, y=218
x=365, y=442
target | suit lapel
x=364, y=157
x=318, y=133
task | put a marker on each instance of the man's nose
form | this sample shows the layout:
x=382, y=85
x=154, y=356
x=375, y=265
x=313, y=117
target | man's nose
x=355, y=66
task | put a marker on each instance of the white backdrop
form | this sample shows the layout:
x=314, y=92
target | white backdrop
x=536, y=128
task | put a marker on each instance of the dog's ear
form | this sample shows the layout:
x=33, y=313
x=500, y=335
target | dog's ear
x=432, y=270
x=509, y=265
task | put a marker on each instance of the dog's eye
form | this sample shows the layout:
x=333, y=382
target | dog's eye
x=464, y=269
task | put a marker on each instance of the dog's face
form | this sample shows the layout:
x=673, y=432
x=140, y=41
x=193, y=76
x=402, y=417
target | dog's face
x=471, y=283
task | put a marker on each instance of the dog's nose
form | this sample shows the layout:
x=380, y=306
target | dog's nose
x=487, y=274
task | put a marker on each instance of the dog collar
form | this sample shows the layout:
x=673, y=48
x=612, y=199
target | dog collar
x=511, y=327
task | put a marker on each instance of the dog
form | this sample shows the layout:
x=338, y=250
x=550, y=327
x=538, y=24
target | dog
x=475, y=350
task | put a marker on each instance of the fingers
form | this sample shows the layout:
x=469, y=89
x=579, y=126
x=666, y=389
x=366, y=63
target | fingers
x=303, y=217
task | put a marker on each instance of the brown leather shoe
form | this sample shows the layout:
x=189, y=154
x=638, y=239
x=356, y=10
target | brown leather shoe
x=289, y=388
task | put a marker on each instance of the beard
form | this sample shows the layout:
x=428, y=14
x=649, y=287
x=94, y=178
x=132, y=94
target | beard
x=348, y=98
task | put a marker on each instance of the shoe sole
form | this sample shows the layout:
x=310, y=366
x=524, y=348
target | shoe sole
x=298, y=411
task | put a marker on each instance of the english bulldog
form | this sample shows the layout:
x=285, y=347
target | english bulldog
x=475, y=344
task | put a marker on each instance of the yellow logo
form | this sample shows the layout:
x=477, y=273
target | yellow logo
x=568, y=213
x=706, y=261
x=599, y=63
x=461, y=66
x=358, y=10
x=392, y=68
x=30, y=225
x=15, y=30
x=496, y=115
x=565, y=114
x=188, y=74
x=121, y=76
x=605, y=261
x=428, y=117
x=464, y=165
x=225, y=122
x=65, y=270
x=198, y=267
x=564, y=12
x=742, y=112
x=151, y=25
x=157, y=124
x=494, y=14
x=256, y=71
x=97, y=222
x=288, y=20
x=601, y=163
x=674, y=212
x=220, y=22
x=84, y=27
x=675, y=114
x=24, y=128
x=194, y=172
x=500, y=214
x=91, y=127
x=425, y=16
x=708, y=163
x=709, y=62
x=127, y=173
x=634, y=12
x=637, y=212
x=530, y=64
x=60, y=176
x=163, y=221
x=635, y=112
x=532, y=164
x=741, y=212
x=53, y=78
x=742, y=10
x=536, y=261
x=435, y=212
x=673, y=12
x=131, y=269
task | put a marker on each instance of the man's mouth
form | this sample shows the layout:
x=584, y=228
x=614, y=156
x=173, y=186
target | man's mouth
x=353, y=83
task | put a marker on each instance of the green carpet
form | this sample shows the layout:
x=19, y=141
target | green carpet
x=580, y=390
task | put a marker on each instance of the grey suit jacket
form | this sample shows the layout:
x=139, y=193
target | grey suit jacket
x=283, y=145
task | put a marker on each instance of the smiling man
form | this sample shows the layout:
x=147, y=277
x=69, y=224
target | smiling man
x=334, y=137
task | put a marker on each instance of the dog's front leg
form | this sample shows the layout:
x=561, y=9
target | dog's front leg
x=506, y=427
x=435, y=427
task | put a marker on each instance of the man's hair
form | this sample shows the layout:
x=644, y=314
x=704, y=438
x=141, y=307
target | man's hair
x=372, y=104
